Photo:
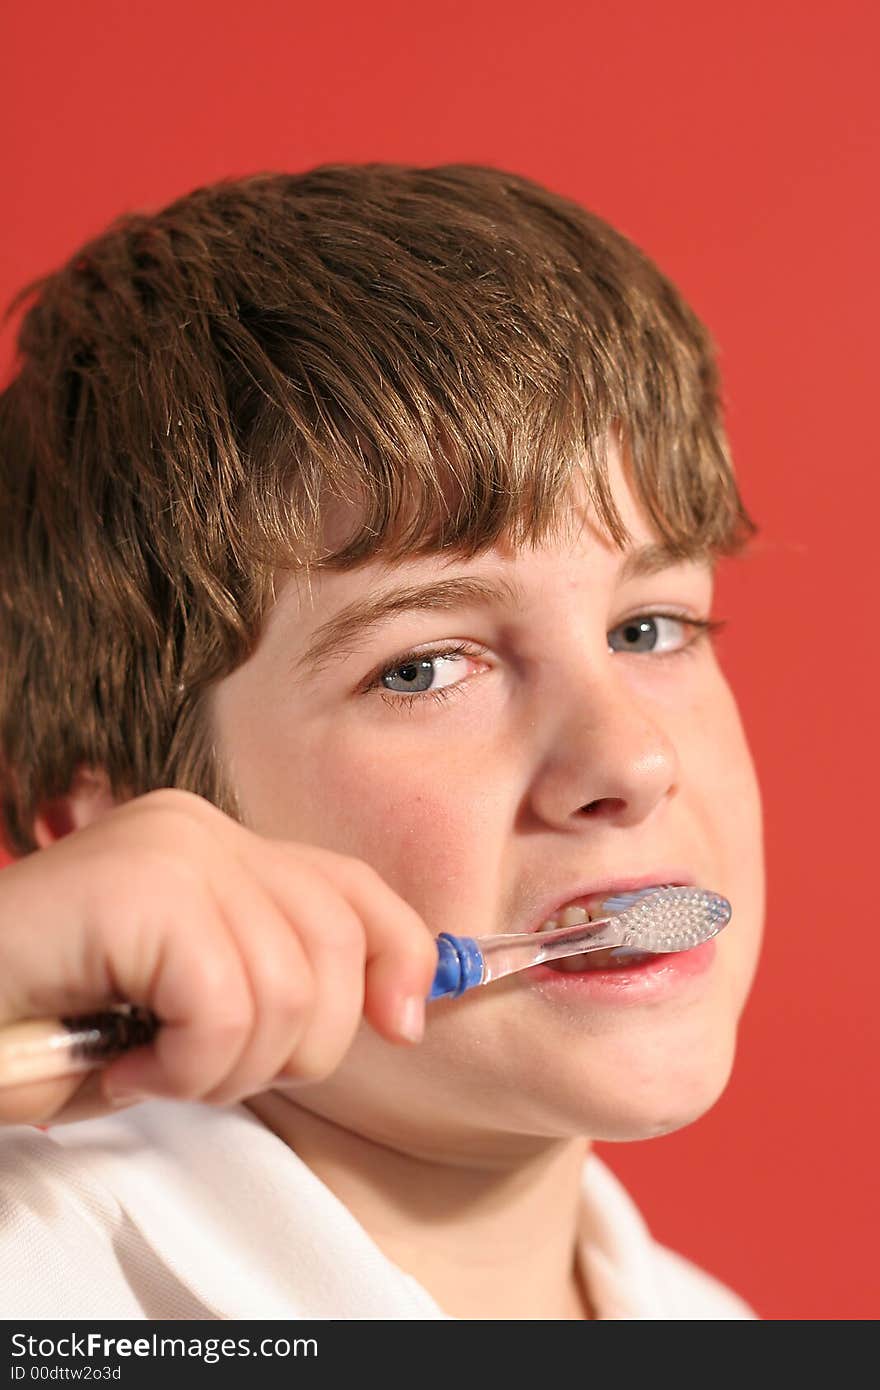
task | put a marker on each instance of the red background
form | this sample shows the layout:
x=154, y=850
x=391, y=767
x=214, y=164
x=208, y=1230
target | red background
x=737, y=143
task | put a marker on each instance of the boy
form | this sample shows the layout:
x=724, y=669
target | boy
x=358, y=535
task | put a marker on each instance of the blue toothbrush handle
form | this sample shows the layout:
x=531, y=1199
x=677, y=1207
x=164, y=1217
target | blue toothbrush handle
x=459, y=966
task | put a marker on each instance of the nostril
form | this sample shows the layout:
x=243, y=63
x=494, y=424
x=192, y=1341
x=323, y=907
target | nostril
x=610, y=805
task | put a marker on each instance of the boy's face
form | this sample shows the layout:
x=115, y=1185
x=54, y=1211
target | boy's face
x=555, y=762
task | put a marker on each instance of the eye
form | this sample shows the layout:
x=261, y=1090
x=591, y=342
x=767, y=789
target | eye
x=417, y=676
x=422, y=673
x=660, y=633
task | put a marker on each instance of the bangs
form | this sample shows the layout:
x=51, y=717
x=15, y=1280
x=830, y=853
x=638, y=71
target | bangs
x=461, y=495
x=444, y=381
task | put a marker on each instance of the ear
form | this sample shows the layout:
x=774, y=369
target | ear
x=89, y=798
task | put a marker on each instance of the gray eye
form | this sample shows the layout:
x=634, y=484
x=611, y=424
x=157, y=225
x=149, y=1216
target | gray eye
x=642, y=634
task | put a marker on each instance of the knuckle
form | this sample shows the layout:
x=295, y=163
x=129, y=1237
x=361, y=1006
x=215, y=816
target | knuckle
x=167, y=867
x=175, y=798
x=343, y=934
x=223, y=1003
x=171, y=814
x=365, y=873
x=162, y=801
x=421, y=950
x=289, y=996
x=416, y=938
x=230, y=1008
x=350, y=871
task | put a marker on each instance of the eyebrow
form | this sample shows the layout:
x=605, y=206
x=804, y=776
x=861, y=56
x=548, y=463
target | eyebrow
x=332, y=640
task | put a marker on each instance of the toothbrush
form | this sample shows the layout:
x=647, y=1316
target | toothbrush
x=655, y=920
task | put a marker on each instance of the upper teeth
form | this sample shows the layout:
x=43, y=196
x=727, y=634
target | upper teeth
x=568, y=917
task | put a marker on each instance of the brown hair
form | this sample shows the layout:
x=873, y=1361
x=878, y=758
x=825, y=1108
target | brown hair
x=439, y=347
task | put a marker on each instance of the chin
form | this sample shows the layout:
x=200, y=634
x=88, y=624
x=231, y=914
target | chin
x=626, y=1127
x=650, y=1101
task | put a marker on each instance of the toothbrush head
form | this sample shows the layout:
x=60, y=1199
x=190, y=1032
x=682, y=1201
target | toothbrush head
x=667, y=919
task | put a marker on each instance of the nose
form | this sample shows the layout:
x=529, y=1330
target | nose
x=611, y=757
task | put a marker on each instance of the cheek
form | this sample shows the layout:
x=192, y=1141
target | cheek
x=420, y=823
x=727, y=802
x=728, y=786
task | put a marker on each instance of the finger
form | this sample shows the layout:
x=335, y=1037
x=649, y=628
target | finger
x=187, y=969
x=334, y=939
x=319, y=993
x=282, y=983
x=400, y=950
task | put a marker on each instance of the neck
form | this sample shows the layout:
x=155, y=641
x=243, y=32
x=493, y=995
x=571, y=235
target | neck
x=485, y=1241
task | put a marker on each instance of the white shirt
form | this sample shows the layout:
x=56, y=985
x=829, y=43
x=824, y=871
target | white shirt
x=171, y=1210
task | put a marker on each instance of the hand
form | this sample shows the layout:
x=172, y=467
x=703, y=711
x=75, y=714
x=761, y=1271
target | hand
x=258, y=956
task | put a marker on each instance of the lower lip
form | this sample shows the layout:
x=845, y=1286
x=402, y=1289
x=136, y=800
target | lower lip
x=654, y=979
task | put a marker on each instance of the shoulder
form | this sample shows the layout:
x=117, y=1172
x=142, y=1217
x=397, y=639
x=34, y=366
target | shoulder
x=42, y=1178
x=172, y=1210
x=55, y=1223
x=68, y=1247
x=693, y=1294
x=633, y=1274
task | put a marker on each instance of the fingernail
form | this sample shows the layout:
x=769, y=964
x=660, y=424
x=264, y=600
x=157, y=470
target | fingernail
x=411, y=1018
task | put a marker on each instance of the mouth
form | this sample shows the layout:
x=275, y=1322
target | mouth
x=589, y=907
